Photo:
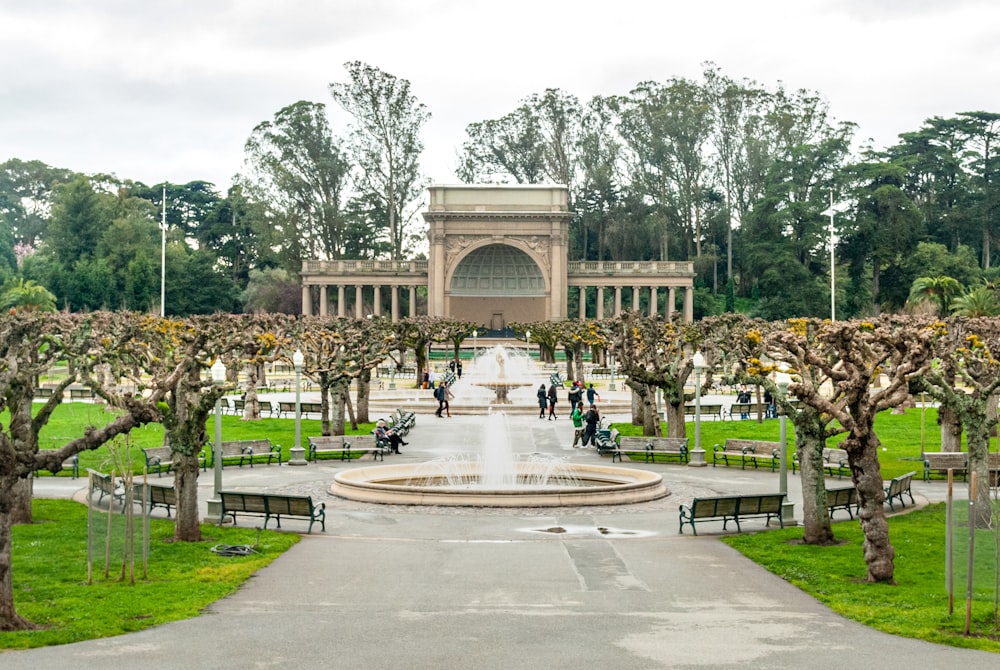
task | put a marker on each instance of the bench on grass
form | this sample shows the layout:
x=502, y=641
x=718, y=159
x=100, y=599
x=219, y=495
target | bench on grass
x=72, y=464
x=272, y=506
x=706, y=411
x=158, y=459
x=159, y=496
x=845, y=498
x=896, y=487
x=747, y=452
x=940, y=462
x=243, y=451
x=750, y=409
x=651, y=446
x=81, y=394
x=733, y=508
x=304, y=407
x=834, y=462
x=106, y=485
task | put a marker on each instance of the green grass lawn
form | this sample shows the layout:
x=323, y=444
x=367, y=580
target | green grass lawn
x=916, y=606
x=69, y=419
x=50, y=574
x=900, y=435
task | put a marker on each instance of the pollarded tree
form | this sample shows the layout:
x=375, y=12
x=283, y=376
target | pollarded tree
x=853, y=355
x=657, y=354
x=965, y=379
x=576, y=336
x=171, y=358
x=31, y=343
x=543, y=333
x=787, y=345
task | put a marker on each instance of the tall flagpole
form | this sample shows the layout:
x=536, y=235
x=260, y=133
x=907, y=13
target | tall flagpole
x=163, y=255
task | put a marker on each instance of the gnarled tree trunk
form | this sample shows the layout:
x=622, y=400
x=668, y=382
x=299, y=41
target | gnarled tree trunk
x=862, y=451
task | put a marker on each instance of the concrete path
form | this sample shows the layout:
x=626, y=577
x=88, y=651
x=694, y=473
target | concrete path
x=603, y=587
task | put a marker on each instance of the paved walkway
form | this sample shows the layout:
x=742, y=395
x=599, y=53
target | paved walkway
x=603, y=587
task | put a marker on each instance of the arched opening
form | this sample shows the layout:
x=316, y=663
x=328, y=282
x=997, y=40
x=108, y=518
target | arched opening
x=498, y=283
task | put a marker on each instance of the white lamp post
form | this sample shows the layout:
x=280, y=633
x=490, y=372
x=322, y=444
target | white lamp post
x=163, y=255
x=297, y=452
x=697, y=459
x=527, y=343
x=475, y=343
x=218, y=379
x=611, y=369
x=833, y=277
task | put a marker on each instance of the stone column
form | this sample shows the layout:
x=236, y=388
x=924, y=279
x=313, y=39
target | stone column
x=583, y=302
x=600, y=303
x=671, y=301
x=323, y=304
x=377, y=300
x=618, y=300
x=307, y=307
x=340, y=301
x=689, y=304
x=413, y=301
x=357, y=301
x=395, y=304
x=652, y=301
x=635, y=298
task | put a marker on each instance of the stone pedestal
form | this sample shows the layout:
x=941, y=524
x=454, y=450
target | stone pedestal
x=697, y=458
x=788, y=514
x=297, y=456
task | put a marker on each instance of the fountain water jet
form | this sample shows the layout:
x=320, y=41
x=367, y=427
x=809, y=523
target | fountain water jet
x=498, y=479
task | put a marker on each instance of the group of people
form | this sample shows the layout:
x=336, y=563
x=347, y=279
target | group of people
x=547, y=399
x=585, y=422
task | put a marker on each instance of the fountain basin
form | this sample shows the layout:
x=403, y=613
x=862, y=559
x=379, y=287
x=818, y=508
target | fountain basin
x=413, y=485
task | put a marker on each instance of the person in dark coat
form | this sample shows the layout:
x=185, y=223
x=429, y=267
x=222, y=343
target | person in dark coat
x=593, y=421
x=553, y=399
x=543, y=401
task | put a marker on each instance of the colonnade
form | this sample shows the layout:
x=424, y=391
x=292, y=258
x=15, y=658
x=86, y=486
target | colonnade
x=334, y=297
x=653, y=301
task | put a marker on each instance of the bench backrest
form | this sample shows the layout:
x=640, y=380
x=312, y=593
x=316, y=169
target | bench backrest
x=725, y=505
x=328, y=441
x=842, y=496
x=243, y=502
x=834, y=455
x=668, y=443
x=901, y=483
x=762, y=504
x=102, y=481
x=757, y=446
x=296, y=505
x=163, y=453
x=360, y=441
x=161, y=495
x=943, y=460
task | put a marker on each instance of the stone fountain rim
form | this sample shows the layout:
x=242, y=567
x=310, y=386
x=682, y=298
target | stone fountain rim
x=628, y=486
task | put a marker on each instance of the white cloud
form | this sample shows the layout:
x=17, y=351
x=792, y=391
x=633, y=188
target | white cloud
x=171, y=90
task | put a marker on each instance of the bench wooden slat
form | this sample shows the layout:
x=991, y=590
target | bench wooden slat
x=747, y=452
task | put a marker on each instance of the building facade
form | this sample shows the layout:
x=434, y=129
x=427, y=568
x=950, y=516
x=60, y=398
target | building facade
x=497, y=254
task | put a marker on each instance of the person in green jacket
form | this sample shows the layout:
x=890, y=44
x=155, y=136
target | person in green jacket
x=577, y=417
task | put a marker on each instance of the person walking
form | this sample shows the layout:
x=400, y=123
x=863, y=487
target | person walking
x=448, y=397
x=743, y=398
x=459, y=370
x=439, y=395
x=593, y=421
x=575, y=395
x=543, y=401
x=553, y=399
x=591, y=394
x=577, y=418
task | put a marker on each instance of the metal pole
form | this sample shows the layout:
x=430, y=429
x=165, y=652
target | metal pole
x=297, y=452
x=217, y=456
x=163, y=255
x=833, y=274
x=697, y=407
x=611, y=360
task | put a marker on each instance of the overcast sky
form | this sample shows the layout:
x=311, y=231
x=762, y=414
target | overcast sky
x=171, y=89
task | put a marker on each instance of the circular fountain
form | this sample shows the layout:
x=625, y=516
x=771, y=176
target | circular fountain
x=498, y=478
x=501, y=371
